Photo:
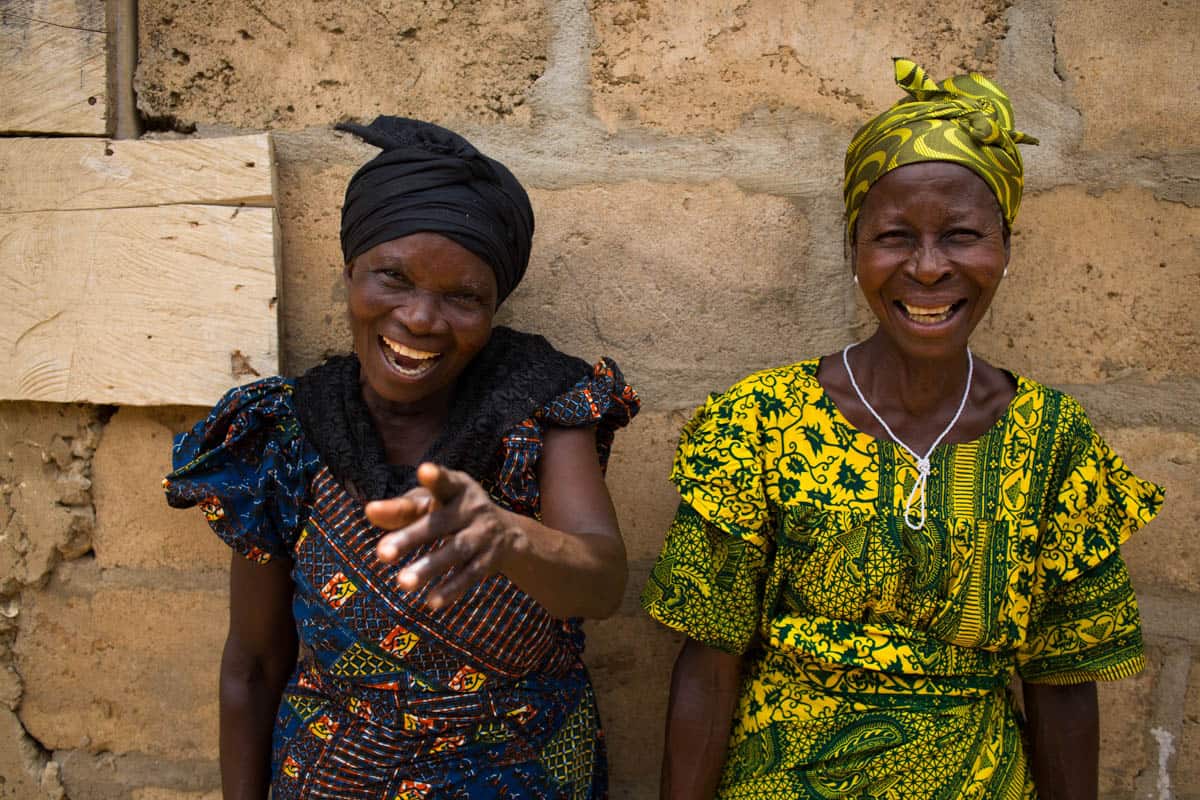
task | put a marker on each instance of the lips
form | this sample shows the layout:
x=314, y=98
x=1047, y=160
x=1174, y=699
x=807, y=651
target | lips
x=408, y=361
x=929, y=314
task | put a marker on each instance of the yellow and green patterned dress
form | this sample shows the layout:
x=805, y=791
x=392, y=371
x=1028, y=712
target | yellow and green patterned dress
x=877, y=659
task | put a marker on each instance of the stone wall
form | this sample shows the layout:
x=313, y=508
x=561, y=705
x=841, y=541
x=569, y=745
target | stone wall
x=684, y=162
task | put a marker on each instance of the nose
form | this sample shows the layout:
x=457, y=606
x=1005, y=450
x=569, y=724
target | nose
x=421, y=314
x=928, y=264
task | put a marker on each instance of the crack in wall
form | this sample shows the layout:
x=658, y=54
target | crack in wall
x=47, y=516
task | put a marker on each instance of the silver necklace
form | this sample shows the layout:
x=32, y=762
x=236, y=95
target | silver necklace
x=922, y=461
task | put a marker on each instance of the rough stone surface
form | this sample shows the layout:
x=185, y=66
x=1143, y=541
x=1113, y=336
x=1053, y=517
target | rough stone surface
x=1124, y=741
x=1187, y=758
x=23, y=766
x=1164, y=556
x=280, y=64
x=1101, y=45
x=45, y=488
x=638, y=481
x=312, y=169
x=134, y=525
x=95, y=679
x=713, y=286
x=135, y=776
x=1111, y=296
x=630, y=658
x=687, y=67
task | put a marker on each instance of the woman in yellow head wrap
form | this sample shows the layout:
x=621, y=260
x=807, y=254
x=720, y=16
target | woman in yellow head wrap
x=872, y=544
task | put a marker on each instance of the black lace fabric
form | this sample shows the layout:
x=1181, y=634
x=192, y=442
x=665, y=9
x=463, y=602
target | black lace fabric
x=514, y=375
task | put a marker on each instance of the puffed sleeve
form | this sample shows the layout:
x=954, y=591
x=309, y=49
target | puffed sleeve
x=1085, y=621
x=601, y=399
x=247, y=466
x=708, y=580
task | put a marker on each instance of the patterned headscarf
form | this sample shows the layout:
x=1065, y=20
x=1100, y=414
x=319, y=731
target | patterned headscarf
x=429, y=179
x=966, y=119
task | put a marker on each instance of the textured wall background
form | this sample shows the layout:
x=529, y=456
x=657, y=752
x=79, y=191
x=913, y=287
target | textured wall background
x=684, y=161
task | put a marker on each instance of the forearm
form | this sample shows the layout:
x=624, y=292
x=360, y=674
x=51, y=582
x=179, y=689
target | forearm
x=1064, y=740
x=570, y=574
x=250, y=698
x=704, y=692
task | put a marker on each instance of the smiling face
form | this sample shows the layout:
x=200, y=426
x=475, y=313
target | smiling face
x=929, y=251
x=421, y=308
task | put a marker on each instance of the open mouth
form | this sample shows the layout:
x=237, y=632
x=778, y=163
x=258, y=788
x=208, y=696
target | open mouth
x=408, y=361
x=929, y=315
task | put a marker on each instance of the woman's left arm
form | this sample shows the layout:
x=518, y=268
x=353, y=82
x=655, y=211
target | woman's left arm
x=572, y=561
x=1063, y=730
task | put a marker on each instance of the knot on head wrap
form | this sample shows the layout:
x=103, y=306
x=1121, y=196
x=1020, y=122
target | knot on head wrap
x=429, y=179
x=966, y=119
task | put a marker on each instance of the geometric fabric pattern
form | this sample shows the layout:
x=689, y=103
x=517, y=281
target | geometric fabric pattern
x=877, y=659
x=390, y=698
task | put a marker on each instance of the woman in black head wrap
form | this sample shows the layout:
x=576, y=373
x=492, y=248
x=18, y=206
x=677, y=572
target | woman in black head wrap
x=422, y=523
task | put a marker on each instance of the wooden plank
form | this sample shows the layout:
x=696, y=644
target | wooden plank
x=56, y=174
x=163, y=305
x=52, y=66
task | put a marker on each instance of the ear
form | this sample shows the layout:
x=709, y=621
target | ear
x=348, y=272
x=1007, y=244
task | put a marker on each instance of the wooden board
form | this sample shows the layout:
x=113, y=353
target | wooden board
x=168, y=302
x=41, y=174
x=52, y=66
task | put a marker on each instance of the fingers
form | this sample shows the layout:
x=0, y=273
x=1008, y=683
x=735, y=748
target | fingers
x=426, y=528
x=397, y=512
x=444, y=484
x=462, y=561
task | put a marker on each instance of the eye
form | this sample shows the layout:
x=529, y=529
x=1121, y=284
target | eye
x=465, y=298
x=963, y=235
x=392, y=277
x=892, y=236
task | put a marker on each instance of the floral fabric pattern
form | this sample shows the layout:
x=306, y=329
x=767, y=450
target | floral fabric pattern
x=877, y=657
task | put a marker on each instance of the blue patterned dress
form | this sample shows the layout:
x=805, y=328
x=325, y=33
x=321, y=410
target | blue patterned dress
x=389, y=699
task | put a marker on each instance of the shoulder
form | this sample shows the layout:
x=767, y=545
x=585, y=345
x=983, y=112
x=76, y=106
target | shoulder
x=770, y=393
x=242, y=419
x=1053, y=413
x=600, y=396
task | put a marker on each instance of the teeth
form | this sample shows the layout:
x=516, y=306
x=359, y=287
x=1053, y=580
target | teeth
x=923, y=311
x=408, y=352
x=927, y=314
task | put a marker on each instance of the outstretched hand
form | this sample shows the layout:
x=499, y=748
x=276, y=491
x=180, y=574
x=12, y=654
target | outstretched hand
x=450, y=508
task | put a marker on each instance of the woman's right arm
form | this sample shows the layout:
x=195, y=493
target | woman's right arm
x=260, y=653
x=704, y=694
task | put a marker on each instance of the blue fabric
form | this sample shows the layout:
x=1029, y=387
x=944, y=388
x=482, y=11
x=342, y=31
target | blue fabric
x=390, y=699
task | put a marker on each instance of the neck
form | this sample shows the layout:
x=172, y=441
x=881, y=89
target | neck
x=407, y=429
x=917, y=386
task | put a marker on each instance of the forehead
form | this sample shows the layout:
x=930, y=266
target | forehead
x=930, y=186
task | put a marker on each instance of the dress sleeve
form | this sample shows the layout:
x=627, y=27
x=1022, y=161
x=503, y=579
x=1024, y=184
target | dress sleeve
x=1086, y=625
x=601, y=399
x=708, y=581
x=246, y=465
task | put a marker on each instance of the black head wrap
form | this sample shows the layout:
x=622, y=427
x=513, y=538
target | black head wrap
x=429, y=179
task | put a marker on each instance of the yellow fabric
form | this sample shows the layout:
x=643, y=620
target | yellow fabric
x=878, y=658
x=966, y=119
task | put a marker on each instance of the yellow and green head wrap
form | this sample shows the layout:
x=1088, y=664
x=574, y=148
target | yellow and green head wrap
x=966, y=119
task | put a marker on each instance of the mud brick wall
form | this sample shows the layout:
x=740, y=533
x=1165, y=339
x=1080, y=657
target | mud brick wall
x=684, y=161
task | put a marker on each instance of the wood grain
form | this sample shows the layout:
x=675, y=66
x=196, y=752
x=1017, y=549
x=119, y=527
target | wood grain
x=170, y=301
x=58, y=174
x=52, y=66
